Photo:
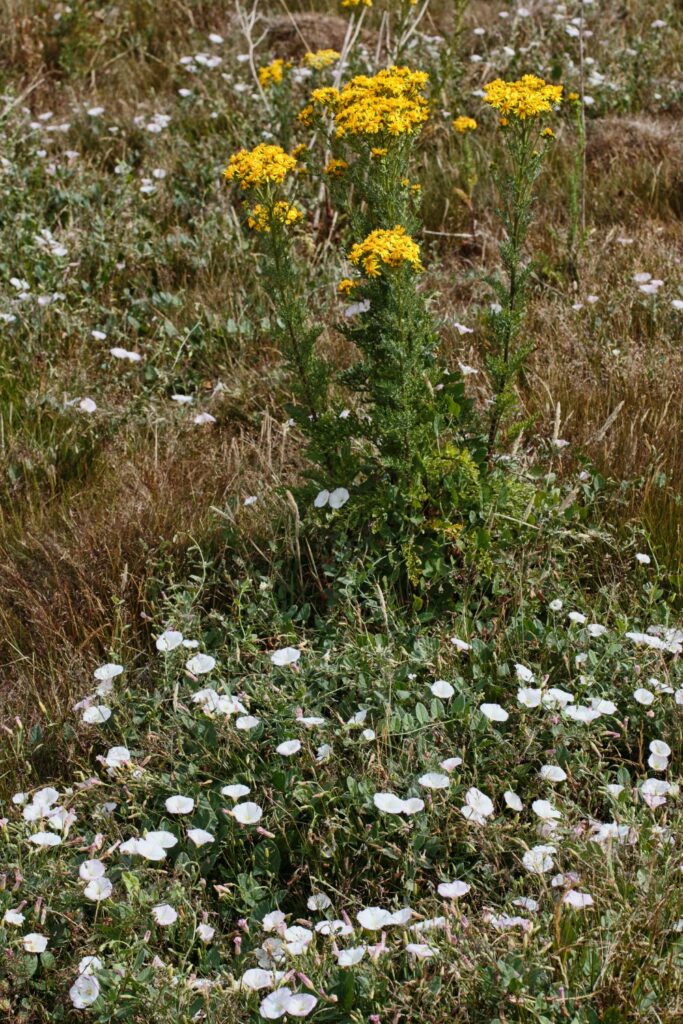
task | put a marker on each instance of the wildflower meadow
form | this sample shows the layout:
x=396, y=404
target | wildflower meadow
x=341, y=512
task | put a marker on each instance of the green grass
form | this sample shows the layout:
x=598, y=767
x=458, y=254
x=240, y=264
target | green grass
x=119, y=524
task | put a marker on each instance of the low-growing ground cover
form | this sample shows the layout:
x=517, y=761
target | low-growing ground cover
x=341, y=513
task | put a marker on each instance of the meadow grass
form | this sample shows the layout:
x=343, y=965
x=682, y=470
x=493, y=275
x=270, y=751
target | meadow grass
x=380, y=654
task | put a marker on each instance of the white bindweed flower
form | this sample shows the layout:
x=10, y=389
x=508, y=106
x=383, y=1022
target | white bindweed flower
x=288, y=748
x=13, y=917
x=545, y=810
x=421, y=950
x=434, y=780
x=538, y=860
x=98, y=889
x=643, y=696
x=44, y=839
x=389, y=803
x=318, y=901
x=453, y=890
x=338, y=497
x=553, y=773
x=205, y=932
x=478, y=807
x=116, y=757
x=577, y=900
x=524, y=674
x=513, y=801
x=169, y=640
x=164, y=915
x=374, y=918
x=350, y=957
x=125, y=354
x=89, y=964
x=285, y=656
x=556, y=605
x=245, y=723
x=179, y=804
x=200, y=664
x=275, y=1005
x=34, y=943
x=460, y=645
x=109, y=671
x=199, y=836
x=247, y=813
x=529, y=697
x=643, y=558
x=235, y=791
x=442, y=689
x=494, y=712
x=96, y=714
x=274, y=921
x=84, y=991
x=450, y=764
x=89, y=870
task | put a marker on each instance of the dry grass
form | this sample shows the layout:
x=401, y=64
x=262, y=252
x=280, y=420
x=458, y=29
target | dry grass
x=79, y=577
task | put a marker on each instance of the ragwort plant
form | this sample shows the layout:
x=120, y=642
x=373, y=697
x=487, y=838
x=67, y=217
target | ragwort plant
x=522, y=105
x=397, y=432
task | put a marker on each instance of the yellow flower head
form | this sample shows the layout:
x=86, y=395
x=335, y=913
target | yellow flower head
x=263, y=217
x=573, y=97
x=263, y=165
x=548, y=133
x=321, y=59
x=389, y=103
x=321, y=99
x=382, y=248
x=527, y=97
x=356, y=3
x=346, y=286
x=335, y=168
x=378, y=152
x=273, y=73
x=464, y=124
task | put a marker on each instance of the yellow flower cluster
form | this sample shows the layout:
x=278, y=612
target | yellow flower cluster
x=266, y=164
x=527, y=97
x=389, y=103
x=263, y=217
x=464, y=124
x=321, y=59
x=272, y=74
x=390, y=248
x=356, y=3
x=346, y=286
x=335, y=168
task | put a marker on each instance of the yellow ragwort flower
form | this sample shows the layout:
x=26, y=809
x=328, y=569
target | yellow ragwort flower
x=324, y=98
x=346, y=286
x=527, y=97
x=263, y=165
x=335, y=168
x=263, y=217
x=573, y=97
x=378, y=151
x=464, y=124
x=273, y=73
x=321, y=59
x=386, y=248
x=356, y=3
x=548, y=133
x=389, y=103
